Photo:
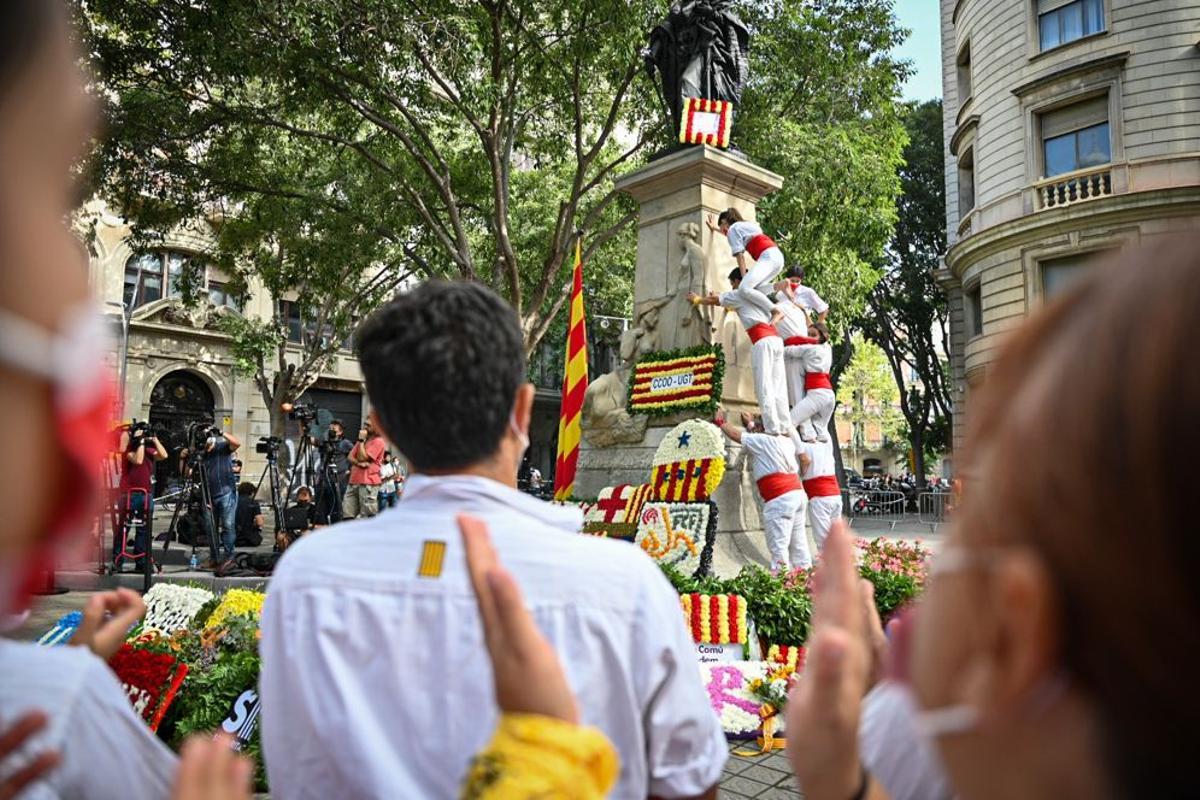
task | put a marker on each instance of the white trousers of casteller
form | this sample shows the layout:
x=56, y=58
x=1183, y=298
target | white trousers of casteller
x=770, y=383
x=811, y=415
x=756, y=283
x=822, y=513
x=794, y=369
x=783, y=522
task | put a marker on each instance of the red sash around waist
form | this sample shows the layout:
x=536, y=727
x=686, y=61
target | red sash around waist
x=817, y=380
x=761, y=331
x=778, y=484
x=822, y=486
x=795, y=340
x=758, y=244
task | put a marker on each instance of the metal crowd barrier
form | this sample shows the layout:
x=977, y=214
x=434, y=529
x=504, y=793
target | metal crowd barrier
x=874, y=505
x=932, y=507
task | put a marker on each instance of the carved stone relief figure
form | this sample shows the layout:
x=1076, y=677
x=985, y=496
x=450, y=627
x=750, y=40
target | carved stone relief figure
x=606, y=420
x=693, y=270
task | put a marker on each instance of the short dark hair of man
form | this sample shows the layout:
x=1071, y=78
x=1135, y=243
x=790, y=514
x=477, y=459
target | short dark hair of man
x=442, y=365
x=796, y=271
x=729, y=216
x=735, y=275
x=247, y=489
x=337, y=422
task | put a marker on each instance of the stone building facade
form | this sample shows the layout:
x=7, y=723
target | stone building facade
x=1072, y=129
x=178, y=363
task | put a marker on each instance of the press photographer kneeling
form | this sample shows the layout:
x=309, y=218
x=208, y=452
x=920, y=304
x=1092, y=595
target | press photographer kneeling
x=140, y=449
x=249, y=517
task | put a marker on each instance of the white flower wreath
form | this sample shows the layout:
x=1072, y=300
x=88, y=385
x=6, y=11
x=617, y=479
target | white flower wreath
x=171, y=607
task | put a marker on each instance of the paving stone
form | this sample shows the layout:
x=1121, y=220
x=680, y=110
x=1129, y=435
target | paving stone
x=738, y=765
x=742, y=785
x=779, y=793
x=777, y=761
x=764, y=774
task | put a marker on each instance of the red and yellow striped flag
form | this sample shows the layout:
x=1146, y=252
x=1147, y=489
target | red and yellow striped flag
x=575, y=382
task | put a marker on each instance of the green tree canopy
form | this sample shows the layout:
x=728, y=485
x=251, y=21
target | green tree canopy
x=472, y=139
x=907, y=315
x=868, y=393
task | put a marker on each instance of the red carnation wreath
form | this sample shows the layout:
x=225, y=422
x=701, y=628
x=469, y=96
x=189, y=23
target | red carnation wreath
x=151, y=680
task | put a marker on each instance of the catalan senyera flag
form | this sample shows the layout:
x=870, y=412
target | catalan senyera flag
x=575, y=382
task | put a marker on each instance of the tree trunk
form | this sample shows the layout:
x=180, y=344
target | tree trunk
x=281, y=392
x=916, y=438
x=837, y=450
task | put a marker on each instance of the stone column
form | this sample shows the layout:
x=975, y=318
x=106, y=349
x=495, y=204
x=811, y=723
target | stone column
x=677, y=253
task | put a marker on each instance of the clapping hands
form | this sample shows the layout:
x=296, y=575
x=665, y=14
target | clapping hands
x=528, y=676
x=107, y=618
x=843, y=657
x=13, y=739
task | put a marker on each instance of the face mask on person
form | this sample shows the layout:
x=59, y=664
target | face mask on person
x=73, y=363
x=955, y=719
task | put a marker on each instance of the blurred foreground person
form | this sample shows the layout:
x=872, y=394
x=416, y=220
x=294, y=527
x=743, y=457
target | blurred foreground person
x=375, y=670
x=1051, y=654
x=67, y=728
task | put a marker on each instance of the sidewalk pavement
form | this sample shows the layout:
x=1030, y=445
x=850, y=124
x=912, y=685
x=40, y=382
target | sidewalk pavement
x=767, y=777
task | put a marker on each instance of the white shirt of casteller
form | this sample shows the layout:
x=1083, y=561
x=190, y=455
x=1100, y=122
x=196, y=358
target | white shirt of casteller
x=740, y=233
x=748, y=313
x=770, y=454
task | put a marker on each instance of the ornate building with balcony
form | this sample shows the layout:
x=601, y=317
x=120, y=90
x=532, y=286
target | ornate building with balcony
x=1072, y=129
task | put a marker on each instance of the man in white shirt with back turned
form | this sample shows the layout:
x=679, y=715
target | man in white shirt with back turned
x=375, y=678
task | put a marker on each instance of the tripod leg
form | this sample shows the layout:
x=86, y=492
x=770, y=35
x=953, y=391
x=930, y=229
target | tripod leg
x=147, y=535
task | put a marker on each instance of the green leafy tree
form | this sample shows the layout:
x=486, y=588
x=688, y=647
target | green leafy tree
x=907, y=315
x=478, y=137
x=470, y=139
x=869, y=394
x=822, y=112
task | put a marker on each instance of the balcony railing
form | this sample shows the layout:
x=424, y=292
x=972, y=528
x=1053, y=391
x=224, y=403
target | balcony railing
x=1074, y=187
x=965, y=225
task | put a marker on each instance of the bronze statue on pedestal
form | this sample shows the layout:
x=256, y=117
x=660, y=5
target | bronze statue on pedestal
x=700, y=50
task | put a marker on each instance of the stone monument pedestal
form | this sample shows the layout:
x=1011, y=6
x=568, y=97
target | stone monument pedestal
x=677, y=253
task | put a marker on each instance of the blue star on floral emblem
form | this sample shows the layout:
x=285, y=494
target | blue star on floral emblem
x=684, y=439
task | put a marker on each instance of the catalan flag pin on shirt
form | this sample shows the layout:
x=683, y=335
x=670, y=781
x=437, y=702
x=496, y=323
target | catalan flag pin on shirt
x=433, y=555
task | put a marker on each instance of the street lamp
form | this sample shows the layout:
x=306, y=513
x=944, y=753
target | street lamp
x=126, y=315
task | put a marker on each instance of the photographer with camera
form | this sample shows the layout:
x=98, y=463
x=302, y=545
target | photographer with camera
x=139, y=449
x=249, y=517
x=216, y=450
x=366, y=458
x=337, y=452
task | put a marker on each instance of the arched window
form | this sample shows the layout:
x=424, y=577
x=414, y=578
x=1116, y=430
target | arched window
x=145, y=276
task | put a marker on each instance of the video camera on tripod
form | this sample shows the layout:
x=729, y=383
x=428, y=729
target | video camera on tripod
x=305, y=413
x=313, y=463
x=200, y=436
x=268, y=446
